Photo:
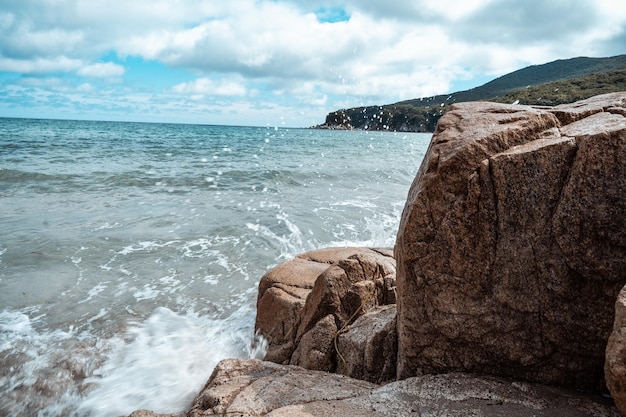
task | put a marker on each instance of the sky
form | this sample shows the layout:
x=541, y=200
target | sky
x=276, y=62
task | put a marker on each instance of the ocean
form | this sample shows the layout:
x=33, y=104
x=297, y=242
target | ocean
x=130, y=253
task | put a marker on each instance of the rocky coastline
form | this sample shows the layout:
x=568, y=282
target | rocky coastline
x=503, y=296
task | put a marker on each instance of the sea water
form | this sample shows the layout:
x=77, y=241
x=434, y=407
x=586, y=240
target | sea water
x=130, y=253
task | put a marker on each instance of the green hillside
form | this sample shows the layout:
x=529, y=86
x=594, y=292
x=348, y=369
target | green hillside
x=558, y=82
x=568, y=91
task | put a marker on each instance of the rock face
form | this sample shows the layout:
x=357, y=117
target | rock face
x=305, y=307
x=254, y=388
x=512, y=244
x=615, y=362
x=368, y=348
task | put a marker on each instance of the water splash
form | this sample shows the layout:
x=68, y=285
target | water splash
x=158, y=364
x=169, y=357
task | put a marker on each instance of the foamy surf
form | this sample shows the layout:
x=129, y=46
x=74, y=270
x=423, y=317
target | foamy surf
x=159, y=363
x=168, y=359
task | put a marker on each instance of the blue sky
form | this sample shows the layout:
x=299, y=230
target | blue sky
x=280, y=62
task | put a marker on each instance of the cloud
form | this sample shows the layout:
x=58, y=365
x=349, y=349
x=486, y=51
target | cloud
x=102, y=70
x=38, y=65
x=313, y=55
x=528, y=22
x=206, y=86
x=281, y=46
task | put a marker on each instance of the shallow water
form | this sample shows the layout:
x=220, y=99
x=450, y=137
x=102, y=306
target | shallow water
x=131, y=252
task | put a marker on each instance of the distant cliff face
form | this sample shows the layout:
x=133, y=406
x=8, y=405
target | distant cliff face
x=394, y=118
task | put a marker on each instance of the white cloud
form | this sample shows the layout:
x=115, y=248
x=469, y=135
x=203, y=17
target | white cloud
x=418, y=11
x=283, y=52
x=102, y=70
x=37, y=65
x=285, y=39
x=85, y=88
x=207, y=86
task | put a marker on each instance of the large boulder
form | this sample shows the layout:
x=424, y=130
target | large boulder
x=305, y=303
x=512, y=245
x=253, y=388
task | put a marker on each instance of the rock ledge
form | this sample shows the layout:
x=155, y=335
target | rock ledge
x=251, y=388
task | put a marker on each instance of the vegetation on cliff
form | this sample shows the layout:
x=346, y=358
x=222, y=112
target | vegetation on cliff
x=568, y=91
x=558, y=82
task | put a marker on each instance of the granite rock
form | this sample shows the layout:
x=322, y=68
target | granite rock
x=512, y=244
x=367, y=349
x=306, y=302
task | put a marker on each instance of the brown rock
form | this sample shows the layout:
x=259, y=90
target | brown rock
x=325, y=299
x=305, y=302
x=511, y=247
x=253, y=388
x=282, y=292
x=615, y=362
x=464, y=395
x=348, y=287
x=315, y=349
x=368, y=348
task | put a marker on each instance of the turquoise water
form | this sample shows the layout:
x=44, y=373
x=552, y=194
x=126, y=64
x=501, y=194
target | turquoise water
x=130, y=252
